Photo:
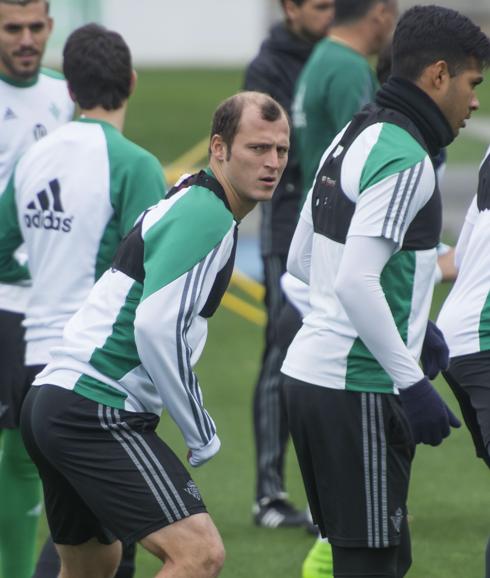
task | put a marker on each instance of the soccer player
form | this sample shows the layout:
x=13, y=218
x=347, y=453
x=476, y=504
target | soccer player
x=366, y=245
x=465, y=322
x=338, y=81
x=89, y=420
x=34, y=101
x=77, y=193
x=275, y=71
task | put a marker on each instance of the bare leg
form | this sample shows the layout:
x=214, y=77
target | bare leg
x=190, y=548
x=89, y=559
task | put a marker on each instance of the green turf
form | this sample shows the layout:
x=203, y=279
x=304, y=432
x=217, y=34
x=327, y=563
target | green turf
x=449, y=497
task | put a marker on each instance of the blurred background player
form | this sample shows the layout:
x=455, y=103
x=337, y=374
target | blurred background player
x=338, y=80
x=89, y=420
x=33, y=102
x=73, y=197
x=274, y=71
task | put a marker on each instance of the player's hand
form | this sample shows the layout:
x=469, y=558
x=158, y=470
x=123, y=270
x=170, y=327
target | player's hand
x=429, y=417
x=435, y=352
x=198, y=457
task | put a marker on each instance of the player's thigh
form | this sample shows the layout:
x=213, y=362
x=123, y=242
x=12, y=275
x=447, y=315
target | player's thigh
x=195, y=538
x=113, y=459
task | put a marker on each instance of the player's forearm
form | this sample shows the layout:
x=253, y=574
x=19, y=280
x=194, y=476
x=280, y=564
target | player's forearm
x=162, y=340
x=358, y=288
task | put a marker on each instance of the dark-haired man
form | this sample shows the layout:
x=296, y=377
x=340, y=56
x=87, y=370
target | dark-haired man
x=338, y=81
x=34, y=101
x=275, y=71
x=74, y=195
x=89, y=420
x=366, y=245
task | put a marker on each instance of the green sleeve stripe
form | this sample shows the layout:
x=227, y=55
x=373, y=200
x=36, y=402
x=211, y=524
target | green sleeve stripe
x=484, y=326
x=10, y=238
x=190, y=229
x=136, y=183
x=395, y=151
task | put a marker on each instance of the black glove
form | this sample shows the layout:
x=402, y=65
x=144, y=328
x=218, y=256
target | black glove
x=435, y=352
x=429, y=417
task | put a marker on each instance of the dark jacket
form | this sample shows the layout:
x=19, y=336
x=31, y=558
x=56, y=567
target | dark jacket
x=275, y=71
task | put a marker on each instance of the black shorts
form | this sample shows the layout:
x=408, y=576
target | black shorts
x=355, y=452
x=469, y=378
x=105, y=472
x=13, y=381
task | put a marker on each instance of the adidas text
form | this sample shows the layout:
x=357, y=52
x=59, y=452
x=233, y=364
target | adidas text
x=48, y=220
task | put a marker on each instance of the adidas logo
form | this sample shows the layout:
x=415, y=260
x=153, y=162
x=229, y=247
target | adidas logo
x=9, y=114
x=49, y=211
x=3, y=409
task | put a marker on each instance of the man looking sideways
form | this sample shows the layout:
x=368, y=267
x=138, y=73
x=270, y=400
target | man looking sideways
x=89, y=420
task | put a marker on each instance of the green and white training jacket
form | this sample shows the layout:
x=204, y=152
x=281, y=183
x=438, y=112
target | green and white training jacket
x=134, y=342
x=72, y=198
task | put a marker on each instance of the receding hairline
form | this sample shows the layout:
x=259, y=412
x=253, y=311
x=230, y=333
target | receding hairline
x=249, y=98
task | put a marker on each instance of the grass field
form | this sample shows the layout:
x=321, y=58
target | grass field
x=449, y=498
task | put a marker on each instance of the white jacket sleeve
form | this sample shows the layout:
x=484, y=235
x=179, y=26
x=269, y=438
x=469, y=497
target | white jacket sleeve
x=466, y=231
x=170, y=336
x=358, y=288
x=299, y=257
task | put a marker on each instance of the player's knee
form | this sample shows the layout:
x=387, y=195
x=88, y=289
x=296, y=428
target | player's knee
x=207, y=558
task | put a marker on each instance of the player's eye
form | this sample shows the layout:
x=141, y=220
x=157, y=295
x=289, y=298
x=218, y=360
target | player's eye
x=38, y=27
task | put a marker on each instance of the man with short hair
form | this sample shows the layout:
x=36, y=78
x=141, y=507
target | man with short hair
x=338, y=81
x=89, y=420
x=366, y=245
x=275, y=71
x=34, y=101
x=78, y=192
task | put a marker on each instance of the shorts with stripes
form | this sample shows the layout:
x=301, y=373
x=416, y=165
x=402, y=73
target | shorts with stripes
x=355, y=451
x=105, y=472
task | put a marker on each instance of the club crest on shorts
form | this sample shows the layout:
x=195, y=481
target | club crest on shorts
x=397, y=520
x=193, y=490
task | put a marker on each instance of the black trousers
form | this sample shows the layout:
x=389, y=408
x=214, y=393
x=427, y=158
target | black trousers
x=269, y=410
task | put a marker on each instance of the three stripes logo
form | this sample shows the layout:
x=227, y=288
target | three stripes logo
x=46, y=210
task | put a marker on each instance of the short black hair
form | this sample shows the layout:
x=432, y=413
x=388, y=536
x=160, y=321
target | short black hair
x=426, y=34
x=297, y=2
x=25, y=2
x=97, y=65
x=348, y=11
x=226, y=119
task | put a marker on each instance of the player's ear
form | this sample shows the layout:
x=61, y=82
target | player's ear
x=134, y=81
x=218, y=148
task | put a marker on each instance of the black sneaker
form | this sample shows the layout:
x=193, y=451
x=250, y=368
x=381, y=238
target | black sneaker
x=278, y=513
